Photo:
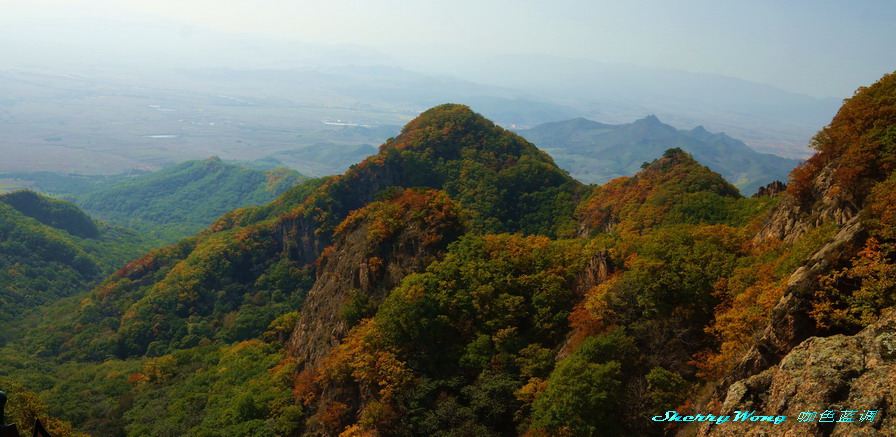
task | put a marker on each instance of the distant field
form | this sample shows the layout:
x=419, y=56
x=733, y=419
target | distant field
x=77, y=127
x=7, y=185
x=304, y=118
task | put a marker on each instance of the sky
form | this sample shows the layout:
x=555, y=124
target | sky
x=820, y=48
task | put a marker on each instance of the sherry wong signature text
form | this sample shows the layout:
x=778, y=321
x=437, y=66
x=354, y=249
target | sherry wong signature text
x=845, y=416
x=738, y=416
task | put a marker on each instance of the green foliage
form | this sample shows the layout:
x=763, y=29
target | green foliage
x=513, y=290
x=580, y=399
x=475, y=325
x=228, y=287
x=243, y=389
x=181, y=200
x=284, y=203
x=665, y=389
x=507, y=184
x=173, y=202
x=24, y=407
x=670, y=190
x=237, y=390
x=675, y=270
x=53, y=213
x=357, y=307
x=40, y=262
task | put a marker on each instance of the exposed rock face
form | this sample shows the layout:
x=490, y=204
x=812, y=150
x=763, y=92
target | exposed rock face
x=791, y=219
x=299, y=241
x=771, y=189
x=790, y=322
x=596, y=272
x=834, y=373
x=366, y=261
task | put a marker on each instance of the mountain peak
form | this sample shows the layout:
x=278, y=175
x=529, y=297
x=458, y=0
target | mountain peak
x=445, y=131
x=679, y=167
x=650, y=120
x=678, y=156
x=448, y=115
x=652, y=124
x=645, y=199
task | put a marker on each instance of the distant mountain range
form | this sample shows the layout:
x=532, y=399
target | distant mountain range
x=596, y=152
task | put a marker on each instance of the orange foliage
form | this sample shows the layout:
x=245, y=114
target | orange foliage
x=331, y=415
x=593, y=315
x=854, y=296
x=432, y=210
x=305, y=387
x=531, y=390
x=378, y=374
x=137, y=378
x=882, y=206
x=138, y=267
x=859, y=145
x=748, y=297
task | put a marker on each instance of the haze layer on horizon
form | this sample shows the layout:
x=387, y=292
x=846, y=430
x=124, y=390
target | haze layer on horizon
x=818, y=48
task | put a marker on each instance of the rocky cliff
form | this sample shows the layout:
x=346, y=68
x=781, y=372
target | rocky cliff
x=790, y=322
x=841, y=372
x=793, y=217
x=375, y=248
x=801, y=360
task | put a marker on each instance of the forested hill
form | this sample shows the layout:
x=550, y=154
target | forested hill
x=173, y=202
x=185, y=198
x=460, y=282
x=253, y=264
x=596, y=152
x=50, y=249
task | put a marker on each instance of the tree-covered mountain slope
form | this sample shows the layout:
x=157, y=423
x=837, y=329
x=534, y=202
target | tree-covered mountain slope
x=671, y=189
x=596, y=152
x=253, y=264
x=173, y=202
x=459, y=283
x=826, y=312
x=50, y=249
x=512, y=334
x=652, y=308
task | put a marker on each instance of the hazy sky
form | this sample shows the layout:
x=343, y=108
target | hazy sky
x=817, y=47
